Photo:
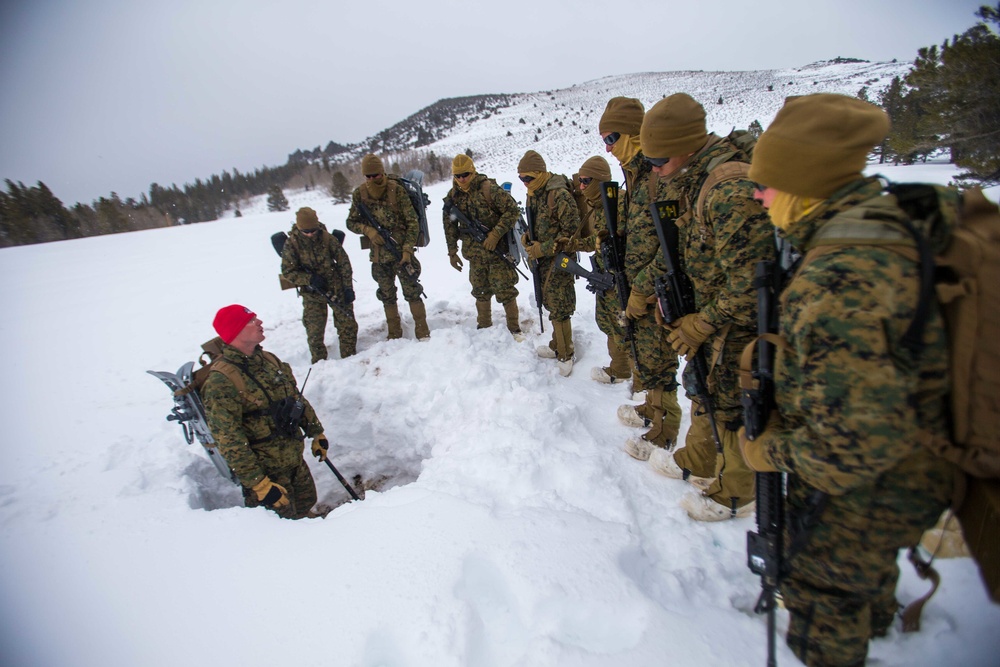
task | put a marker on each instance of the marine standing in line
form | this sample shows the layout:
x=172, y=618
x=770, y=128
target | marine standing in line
x=723, y=233
x=854, y=405
x=314, y=261
x=555, y=215
x=656, y=366
x=389, y=205
x=482, y=200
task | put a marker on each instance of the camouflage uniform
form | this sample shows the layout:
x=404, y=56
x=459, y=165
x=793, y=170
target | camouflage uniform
x=855, y=406
x=719, y=253
x=489, y=274
x=242, y=425
x=394, y=212
x=657, y=362
x=323, y=255
x=562, y=219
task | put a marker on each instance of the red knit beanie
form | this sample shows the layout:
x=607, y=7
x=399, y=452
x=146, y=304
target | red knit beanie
x=229, y=321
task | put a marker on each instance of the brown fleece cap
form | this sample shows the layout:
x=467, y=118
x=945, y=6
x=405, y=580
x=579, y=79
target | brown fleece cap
x=673, y=127
x=306, y=219
x=622, y=115
x=531, y=161
x=596, y=167
x=372, y=164
x=462, y=163
x=817, y=144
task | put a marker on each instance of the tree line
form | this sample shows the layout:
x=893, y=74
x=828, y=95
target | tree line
x=949, y=101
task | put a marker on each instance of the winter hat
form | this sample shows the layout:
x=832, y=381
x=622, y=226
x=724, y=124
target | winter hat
x=817, y=144
x=531, y=161
x=372, y=164
x=622, y=115
x=673, y=127
x=229, y=321
x=597, y=168
x=462, y=163
x=306, y=219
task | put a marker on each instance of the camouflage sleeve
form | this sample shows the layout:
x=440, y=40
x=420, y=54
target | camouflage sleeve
x=506, y=208
x=743, y=236
x=291, y=266
x=847, y=403
x=355, y=221
x=224, y=412
x=565, y=221
x=450, y=227
x=342, y=261
x=409, y=241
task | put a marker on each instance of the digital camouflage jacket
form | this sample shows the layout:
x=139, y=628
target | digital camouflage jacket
x=322, y=255
x=497, y=211
x=393, y=211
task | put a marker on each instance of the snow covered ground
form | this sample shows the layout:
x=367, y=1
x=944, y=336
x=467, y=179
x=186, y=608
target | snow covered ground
x=511, y=529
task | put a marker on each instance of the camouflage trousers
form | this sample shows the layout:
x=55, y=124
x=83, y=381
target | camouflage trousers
x=385, y=274
x=314, y=309
x=558, y=291
x=491, y=276
x=840, y=592
x=657, y=362
x=298, y=481
x=733, y=484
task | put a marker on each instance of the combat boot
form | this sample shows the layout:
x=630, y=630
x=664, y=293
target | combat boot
x=662, y=461
x=484, y=316
x=419, y=312
x=564, y=346
x=392, y=320
x=619, y=371
x=702, y=508
x=513, y=319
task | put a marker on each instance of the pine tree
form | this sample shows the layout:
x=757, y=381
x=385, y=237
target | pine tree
x=955, y=98
x=276, y=199
x=340, y=189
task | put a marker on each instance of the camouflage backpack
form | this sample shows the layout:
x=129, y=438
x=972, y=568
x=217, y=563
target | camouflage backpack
x=965, y=280
x=722, y=169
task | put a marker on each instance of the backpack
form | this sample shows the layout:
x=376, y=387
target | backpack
x=965, y=279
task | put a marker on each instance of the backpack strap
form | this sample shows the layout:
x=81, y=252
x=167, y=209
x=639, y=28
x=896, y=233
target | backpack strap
x=718, y=171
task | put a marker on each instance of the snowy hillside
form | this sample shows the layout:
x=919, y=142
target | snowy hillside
x=565, y=121
x=510, y=529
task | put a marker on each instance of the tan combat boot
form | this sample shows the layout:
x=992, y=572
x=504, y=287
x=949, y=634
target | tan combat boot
x=564, y=346
x=419, y=312
x=484, y=316
x=513, y=319
x=392, y=319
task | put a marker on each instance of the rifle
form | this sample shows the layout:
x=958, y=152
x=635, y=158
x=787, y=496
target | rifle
x=390, y=244
x=613, y=255
x=765, y=548
x=675, y=295
x=278, y=241
x=477, y=231
x=598, y=281
x=536, y=277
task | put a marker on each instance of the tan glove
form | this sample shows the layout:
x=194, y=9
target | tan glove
x=373, y=235
x=320, y=447
x=456, y=261
x=407, y=257
x=688, y=334
x=525, y=241
x=491, y=241
x=534, y=251
x=638, y=304
x=565, y=244
x=601, y=235
x=754, y=451
x=270, y=494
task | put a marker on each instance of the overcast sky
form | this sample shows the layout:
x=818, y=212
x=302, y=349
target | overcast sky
x=112, y=95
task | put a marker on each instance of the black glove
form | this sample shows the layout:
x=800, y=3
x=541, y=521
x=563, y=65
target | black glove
x=317, y=282
x=348, y=295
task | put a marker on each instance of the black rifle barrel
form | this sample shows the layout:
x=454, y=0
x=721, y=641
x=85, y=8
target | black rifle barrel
x=613, y=254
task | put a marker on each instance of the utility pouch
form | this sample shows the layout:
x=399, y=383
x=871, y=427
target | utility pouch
x=286, y=414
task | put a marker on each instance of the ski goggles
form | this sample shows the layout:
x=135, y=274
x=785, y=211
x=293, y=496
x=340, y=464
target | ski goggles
x=657, y=161
x=526, y=179
x=612, y=138
x=586, y=181
x=464, y=174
